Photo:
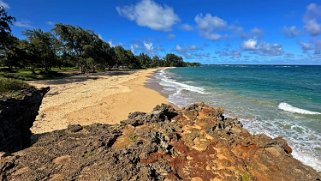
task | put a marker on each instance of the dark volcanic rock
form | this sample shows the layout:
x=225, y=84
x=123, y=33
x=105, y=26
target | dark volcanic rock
x=17, y=117
x=195, y=143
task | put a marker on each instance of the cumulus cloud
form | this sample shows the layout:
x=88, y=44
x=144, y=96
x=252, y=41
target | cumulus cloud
x=268, y=49
x=210, y=26
x=4, y=4
x=150, y=14
x=239, y=31
x=305, y=46
x=148, y=46
x=229, y=53
x=191, y=52
x=291, y=31
x=312, y=19
x=209, y=22
x=262, y=48
x=249, y=44
x=23, y=24
x=186, y=27
x=134, y=47
x=314, y=47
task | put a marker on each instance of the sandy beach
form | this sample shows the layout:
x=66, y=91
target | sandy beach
x=94, y=98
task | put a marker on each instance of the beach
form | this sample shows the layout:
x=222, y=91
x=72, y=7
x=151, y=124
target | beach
x=94, y=98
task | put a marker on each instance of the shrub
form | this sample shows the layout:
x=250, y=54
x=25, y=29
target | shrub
x=12, y=85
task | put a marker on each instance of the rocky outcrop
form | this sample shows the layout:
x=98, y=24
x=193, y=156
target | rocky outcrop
x=16, y=118
x=195, y=143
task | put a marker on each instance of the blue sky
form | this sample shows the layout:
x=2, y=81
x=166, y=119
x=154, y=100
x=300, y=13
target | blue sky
x=208, y=31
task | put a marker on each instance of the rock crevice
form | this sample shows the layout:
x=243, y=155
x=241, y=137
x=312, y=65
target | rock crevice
x=16, y=118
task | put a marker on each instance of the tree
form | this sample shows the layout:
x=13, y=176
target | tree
x=5, y=30
x=7, y=40
x=173, y=60
x=156, y=61
x=144, y=60
x=84, y=47
x=42, y=46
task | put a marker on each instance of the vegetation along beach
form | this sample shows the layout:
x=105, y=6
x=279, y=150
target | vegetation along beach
x=160, y=90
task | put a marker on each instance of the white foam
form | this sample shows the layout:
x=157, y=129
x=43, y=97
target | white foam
x=289, y=108
x=284, y=66
x=304, y=141
x=168, y=82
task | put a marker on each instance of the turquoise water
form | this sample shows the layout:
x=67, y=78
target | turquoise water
x=274, y=100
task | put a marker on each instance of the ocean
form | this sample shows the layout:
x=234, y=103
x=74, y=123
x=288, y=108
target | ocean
x=276, y=100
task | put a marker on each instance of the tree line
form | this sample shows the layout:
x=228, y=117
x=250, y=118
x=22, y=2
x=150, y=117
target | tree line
x=71, y=46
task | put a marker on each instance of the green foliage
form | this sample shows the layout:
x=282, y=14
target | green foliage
x=5, y=30
x=35, y=74
x=71, y=46
x=132, y=137
x=8, y=86
x=246, y=176
x=42, y=48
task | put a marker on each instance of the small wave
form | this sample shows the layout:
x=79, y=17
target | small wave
x=289, y=108
x=168, y=82
x=283, y=66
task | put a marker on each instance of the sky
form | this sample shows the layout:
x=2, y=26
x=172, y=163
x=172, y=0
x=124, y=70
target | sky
x=206, y=31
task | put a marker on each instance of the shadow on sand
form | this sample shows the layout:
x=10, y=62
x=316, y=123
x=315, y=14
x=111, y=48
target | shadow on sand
x=84, y=77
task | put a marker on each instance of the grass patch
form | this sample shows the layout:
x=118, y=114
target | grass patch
x=133, y=137
x=27, y=74
x=12, y=87
x=246, y=176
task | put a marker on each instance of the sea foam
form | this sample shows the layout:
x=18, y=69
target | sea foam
x=289, y=108
x=168, y=82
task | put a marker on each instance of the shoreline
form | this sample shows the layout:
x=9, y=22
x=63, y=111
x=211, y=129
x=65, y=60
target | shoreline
x=88, y=99
x=301, y=147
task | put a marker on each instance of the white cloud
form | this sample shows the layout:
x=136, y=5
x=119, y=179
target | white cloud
x=190, y=48
x=150, y=14
x=305, y=46
x=209, y=25
x=212, y=36
x=100, y=37
x=249, y=44
x=209, y=22
x=239, y=30
x=313, y=47
x=312, y=19
x=4, y=4
x=178, y=48
x=229, y=53
x=110, y=42
x=191, y=52
x=23, y=24
x=148, y=46
x=313, y=27
x=291, y=31
x=186, y=27
x=268, y=49
x=262, y=48
x=134, y=47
